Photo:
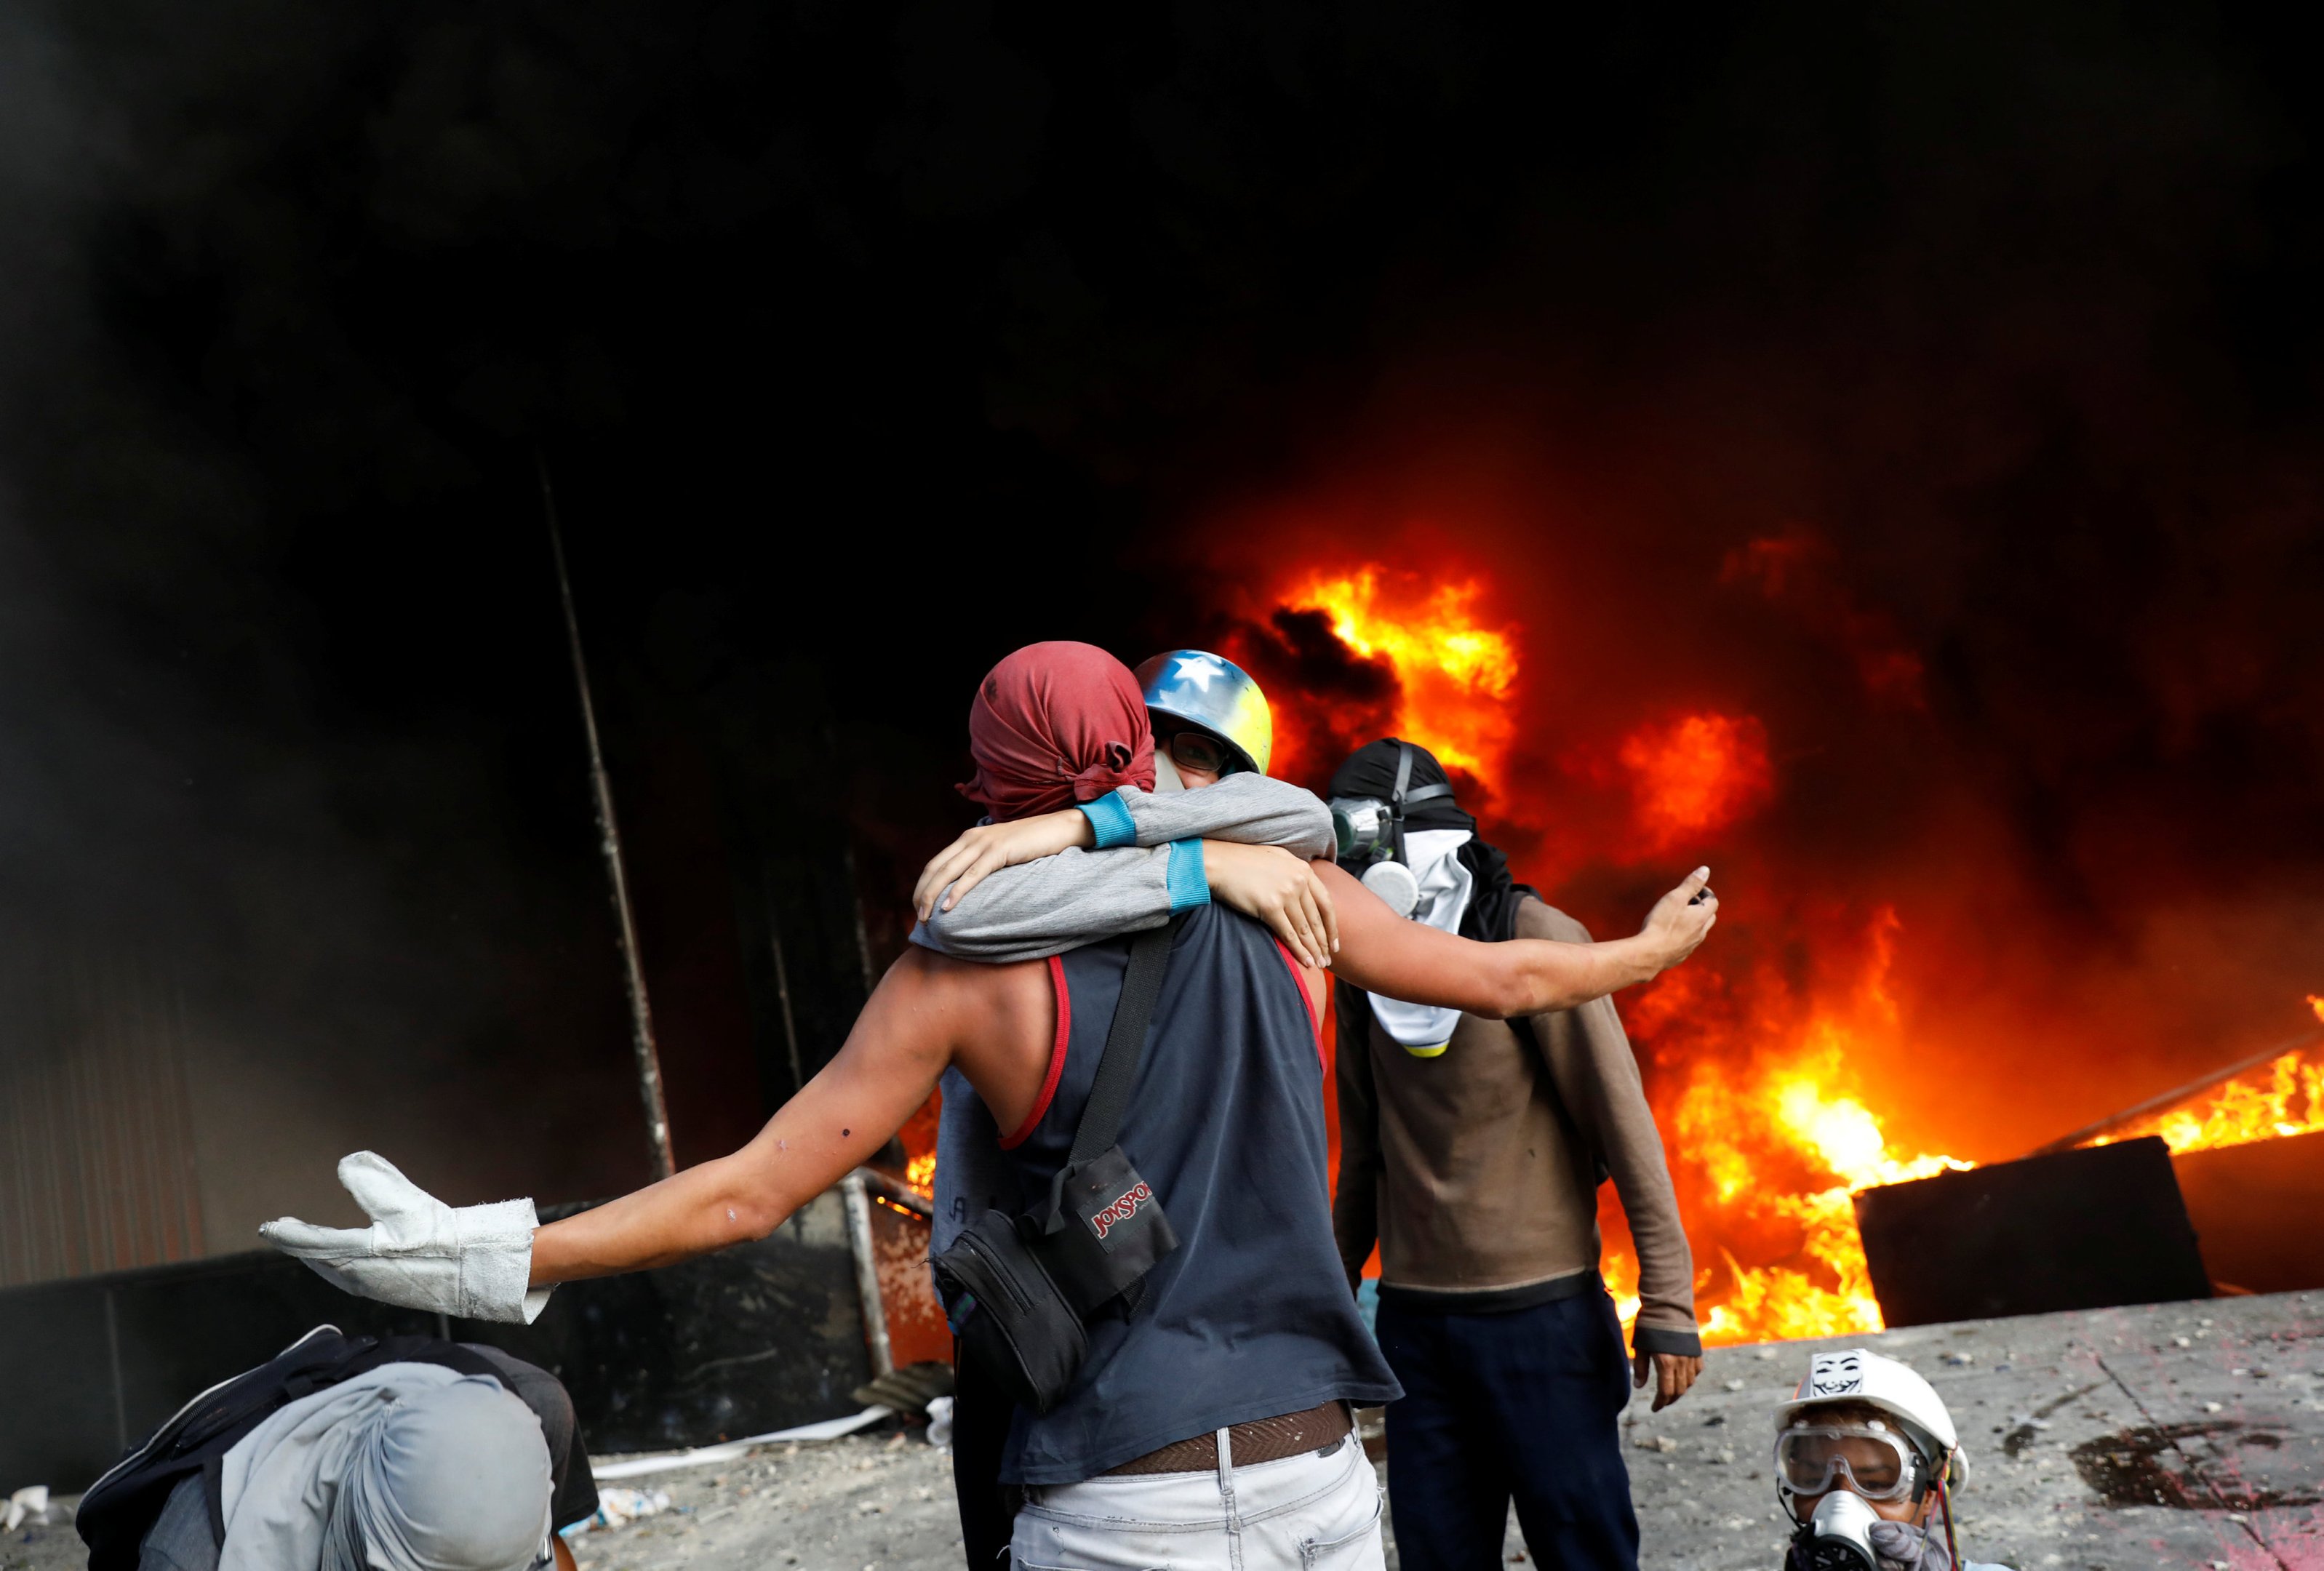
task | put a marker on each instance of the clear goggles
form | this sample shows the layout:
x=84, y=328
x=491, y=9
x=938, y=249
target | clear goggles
x=1878, y=1463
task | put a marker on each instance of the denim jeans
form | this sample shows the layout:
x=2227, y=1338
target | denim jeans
x=1316, y=1511
x=1524, y=1405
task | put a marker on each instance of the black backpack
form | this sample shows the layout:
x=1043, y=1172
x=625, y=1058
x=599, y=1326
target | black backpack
x=121, y=1508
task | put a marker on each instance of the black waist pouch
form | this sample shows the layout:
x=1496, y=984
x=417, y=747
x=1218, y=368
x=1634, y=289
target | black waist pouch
x=1023, y=1288
x=1016, y=1323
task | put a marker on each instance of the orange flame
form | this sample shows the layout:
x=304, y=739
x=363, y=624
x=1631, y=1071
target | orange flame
x=1771, y=1136
x=2286, y=1098
x=1771, y=1130
x=1797, y=1113
x=1696, y=774
x=920, y=1172
x=1455, y=675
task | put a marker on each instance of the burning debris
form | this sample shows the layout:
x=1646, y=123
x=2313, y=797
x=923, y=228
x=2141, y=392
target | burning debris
x=2284, y=1099
x=1772, y=1131
x=1778, y=1063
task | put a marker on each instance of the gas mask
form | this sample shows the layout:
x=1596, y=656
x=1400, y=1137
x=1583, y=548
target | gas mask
x=1371, y=832
x=1850, y=1465
x=1838, y=1537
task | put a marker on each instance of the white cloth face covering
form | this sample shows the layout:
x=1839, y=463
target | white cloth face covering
x=1446, y=885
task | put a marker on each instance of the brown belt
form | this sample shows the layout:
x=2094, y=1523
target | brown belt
x=1261, y=1441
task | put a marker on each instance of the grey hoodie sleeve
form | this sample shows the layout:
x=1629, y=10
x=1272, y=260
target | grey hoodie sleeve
x=1250, y=810
x=1045, y=907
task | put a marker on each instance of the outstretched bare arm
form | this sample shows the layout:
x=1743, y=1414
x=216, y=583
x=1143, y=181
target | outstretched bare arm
x=926, y=1012
x=1381, y=953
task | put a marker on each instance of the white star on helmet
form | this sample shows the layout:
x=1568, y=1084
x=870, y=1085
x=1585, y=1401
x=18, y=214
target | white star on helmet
x=1199, y=670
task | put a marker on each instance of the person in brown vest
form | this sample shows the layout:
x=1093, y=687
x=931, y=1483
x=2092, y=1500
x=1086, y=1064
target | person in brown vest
x=1470, y=1151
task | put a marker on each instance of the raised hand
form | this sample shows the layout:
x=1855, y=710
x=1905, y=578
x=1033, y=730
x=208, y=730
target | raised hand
x=1679, y=923
x=420, y=1254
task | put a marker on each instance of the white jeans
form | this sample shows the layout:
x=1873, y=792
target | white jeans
x=1307, y=1512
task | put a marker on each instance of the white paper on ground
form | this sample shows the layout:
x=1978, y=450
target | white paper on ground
x=727, y=1450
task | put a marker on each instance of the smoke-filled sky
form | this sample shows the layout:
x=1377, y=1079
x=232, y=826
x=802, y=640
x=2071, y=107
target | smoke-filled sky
x=868, y=343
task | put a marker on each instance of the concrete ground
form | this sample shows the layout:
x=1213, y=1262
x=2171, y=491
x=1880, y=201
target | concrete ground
x=2178, y=1435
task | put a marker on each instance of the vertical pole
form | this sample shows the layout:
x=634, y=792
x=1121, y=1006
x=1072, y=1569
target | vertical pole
x=783, y=997
x=609, y=840
x=113, y=1355
x=190, y=1176
x=854, y=883
x=867, y=1273
x=863, y=932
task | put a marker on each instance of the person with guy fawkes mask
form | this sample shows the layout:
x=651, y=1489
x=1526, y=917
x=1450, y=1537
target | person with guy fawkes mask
x=1470, y=1151
x=1866, y=1465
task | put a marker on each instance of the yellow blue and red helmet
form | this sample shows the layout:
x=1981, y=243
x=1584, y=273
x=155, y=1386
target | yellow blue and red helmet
x=1212, y=691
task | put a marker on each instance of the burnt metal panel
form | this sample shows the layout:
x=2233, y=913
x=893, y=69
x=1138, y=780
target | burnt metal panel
x=2080, y=1230
x=2259, y=1211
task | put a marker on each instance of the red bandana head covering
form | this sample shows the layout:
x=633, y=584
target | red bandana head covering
x=1054, y=724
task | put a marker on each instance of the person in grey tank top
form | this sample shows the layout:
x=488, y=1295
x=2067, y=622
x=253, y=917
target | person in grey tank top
x=1052, y=724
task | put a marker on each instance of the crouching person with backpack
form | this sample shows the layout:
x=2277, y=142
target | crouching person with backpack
x=352, y=1454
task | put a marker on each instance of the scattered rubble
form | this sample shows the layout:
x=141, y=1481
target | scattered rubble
x=880, y=1499
x=2173, y=1435
x=2119, y=1438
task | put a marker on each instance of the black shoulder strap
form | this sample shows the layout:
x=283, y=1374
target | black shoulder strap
x=1125, y=1044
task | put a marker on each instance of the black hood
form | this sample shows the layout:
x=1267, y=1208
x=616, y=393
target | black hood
x=1370, y=771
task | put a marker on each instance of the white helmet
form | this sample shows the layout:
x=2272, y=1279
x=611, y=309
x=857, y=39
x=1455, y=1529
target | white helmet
x=1852, y=1374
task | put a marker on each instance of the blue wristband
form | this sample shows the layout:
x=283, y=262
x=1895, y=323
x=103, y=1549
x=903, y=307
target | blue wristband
x=1188, y=886
x=1110, y=822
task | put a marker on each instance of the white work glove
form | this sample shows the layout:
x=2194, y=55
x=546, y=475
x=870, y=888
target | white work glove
x=419, y=1253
